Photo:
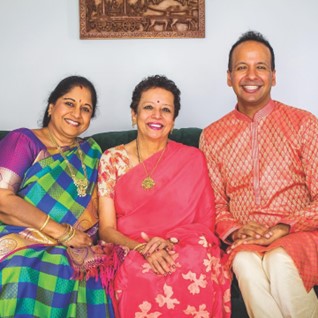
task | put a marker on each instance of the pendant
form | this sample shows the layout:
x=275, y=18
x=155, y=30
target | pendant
x=81, y=185
x=148, y=183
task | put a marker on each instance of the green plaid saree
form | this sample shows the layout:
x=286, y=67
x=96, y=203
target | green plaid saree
x=39, y=277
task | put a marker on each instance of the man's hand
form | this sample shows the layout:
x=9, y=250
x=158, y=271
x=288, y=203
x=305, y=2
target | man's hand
x=252, y=230
x=268, y=237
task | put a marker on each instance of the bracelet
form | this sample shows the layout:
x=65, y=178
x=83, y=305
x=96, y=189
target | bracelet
x=67, y=235
x=45, y=223
x=71, y=235
x=138, y=246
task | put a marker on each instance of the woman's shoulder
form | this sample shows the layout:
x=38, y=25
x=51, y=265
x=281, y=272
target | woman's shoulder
x=115, y=154
x=19, y=149
x=22, y=132
x=91, y=146
x=22, y=137
x=115, y=151
x=115, y=161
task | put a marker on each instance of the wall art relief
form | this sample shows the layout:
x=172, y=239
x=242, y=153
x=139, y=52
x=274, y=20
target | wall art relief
x=111, y=19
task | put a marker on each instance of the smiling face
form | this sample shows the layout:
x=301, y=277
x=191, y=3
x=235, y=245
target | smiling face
x=71, y=114
x=155, y=114
x=251, y=77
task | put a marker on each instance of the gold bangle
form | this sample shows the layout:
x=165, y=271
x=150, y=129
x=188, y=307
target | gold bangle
x=71, y=235
x=138, y=246
x=66, y=234
x=45, y=223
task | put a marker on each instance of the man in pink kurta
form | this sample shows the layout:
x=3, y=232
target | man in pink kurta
x=263, y=165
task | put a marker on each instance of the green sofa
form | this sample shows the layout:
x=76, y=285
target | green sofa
x=188, y=136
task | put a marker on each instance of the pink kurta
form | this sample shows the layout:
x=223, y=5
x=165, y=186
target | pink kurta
x=180, y=205
x=265, y=170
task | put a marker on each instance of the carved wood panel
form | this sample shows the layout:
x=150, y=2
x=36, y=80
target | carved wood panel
x=109, y=19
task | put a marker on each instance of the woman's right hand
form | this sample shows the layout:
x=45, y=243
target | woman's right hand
x=158, y=252
x=80, y=239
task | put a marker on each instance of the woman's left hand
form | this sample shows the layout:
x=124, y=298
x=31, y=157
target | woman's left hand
x=80, y=239
x=161, y=262
x=157, y=252
x=155, y=244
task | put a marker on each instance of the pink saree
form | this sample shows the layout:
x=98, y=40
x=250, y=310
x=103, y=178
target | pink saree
x=180, y=205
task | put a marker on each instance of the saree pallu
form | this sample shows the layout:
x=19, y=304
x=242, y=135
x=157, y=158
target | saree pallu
x=38, y=277
x=181, y=205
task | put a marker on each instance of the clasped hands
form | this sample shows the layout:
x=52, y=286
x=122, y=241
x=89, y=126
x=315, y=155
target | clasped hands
x=255, y=233
x=158, y=252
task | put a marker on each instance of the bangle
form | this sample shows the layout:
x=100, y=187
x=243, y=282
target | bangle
x=139, y=246
x=67, y=228
x=45, y=223
x=67, y=235
x=71, y=235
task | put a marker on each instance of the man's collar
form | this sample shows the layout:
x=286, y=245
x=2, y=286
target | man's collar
x=259, y=115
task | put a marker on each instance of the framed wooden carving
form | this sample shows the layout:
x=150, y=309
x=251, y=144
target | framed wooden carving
x=111, y=19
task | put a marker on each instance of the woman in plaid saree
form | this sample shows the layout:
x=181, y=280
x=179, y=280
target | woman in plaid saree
x=50, y=265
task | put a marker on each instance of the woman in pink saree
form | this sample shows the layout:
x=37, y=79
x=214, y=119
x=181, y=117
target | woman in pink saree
x=155, y=199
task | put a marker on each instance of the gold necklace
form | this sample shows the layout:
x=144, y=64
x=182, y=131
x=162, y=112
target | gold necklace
x=148, y=182
x=81, y=184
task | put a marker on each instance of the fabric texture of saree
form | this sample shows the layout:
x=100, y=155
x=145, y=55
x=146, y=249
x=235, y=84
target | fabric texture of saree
x=180, y=205
x=39, y=277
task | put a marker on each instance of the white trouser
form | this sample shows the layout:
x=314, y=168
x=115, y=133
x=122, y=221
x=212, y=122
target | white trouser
x=271, y=286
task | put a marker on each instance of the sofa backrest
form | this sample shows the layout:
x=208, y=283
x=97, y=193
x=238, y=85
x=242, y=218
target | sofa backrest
x=187, y=136
x=108, y=139
x=3, y=133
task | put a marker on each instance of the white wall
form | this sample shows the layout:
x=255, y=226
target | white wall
x=39, y=45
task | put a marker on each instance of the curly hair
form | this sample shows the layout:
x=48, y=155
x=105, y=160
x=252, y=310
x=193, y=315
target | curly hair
x=156, y=81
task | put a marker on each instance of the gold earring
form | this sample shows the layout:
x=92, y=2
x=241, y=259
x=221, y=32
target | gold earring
x=133, y=123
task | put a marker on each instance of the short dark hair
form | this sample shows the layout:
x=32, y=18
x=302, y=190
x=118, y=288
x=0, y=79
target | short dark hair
x=252, y=36
x=155, y=81
x=63, y=87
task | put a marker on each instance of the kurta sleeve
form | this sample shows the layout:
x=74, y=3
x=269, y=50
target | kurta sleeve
x=307, y=218
x=225, y=222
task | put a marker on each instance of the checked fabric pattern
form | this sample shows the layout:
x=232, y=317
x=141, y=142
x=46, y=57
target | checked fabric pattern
x=37, y=276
